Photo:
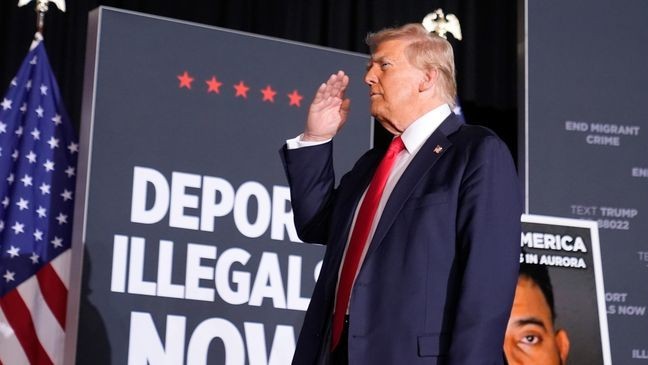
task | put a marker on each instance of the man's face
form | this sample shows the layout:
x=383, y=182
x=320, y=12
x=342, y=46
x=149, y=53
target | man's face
x=394, y=86
x=530, y=337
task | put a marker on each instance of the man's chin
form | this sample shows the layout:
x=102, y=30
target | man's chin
x=376, y=111
x=377, y=116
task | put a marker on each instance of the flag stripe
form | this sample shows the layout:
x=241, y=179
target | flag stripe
x=61, y=265
x=10, y=350
x=48, y=330
x=54, y=292
x=20, y=320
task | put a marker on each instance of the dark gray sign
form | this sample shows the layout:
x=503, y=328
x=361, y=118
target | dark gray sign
x=183, y=212
x=587, y=142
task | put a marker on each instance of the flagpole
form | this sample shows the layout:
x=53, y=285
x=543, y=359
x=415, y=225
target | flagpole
x=41, y=9
x=42, y=6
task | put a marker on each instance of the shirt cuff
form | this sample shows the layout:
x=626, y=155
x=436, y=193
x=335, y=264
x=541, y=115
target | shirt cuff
x=297, y=142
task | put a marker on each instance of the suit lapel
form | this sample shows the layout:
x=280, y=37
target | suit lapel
x=435, y=146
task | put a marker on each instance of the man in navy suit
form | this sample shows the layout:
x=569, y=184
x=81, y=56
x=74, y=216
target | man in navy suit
x=422, y=241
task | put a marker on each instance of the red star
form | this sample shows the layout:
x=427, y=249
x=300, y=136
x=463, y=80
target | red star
x=241, y=89
x=295, y=98
x=268, y=94
x=185, y=80
x=213, y=85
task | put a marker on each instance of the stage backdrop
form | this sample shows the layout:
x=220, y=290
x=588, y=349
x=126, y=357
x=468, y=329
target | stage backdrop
x=183, y=215
x=587, y=142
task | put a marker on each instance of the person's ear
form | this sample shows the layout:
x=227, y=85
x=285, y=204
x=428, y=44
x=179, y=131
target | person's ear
x=562, y=342
x=429, y=79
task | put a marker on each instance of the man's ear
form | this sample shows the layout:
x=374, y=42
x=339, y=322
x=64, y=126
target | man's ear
x=429, y=79
x=562, y=342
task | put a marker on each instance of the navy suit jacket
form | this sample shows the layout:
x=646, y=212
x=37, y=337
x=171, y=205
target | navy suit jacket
x=438, y=280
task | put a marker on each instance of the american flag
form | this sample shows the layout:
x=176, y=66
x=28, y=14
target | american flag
x=37, y=175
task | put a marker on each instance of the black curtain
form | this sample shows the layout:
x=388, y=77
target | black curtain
x=486, y=59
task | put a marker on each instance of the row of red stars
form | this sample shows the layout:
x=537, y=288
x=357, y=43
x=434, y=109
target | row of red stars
x=241, y=89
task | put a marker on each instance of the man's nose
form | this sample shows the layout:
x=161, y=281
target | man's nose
x=370, y=77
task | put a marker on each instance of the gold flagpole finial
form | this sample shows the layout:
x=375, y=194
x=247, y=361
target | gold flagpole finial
x=42, y=6
x=439, y=23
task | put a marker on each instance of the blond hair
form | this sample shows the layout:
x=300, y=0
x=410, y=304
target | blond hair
x=426, y=51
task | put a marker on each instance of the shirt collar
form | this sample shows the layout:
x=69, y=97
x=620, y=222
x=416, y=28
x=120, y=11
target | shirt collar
x=422, y=128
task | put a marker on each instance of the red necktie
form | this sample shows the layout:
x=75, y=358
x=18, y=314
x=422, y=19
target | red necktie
x=360, y=234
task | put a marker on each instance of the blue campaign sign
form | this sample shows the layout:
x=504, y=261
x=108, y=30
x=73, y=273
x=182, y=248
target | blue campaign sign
x=183, y=219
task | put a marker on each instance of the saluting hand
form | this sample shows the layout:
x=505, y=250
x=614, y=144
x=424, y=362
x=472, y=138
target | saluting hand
x=329, y=109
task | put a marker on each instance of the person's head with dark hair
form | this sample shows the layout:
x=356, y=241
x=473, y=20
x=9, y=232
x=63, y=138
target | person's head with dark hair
x=540, y=276
x=531, y=337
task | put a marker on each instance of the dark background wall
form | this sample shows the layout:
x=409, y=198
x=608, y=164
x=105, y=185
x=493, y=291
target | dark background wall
x=486, y=59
